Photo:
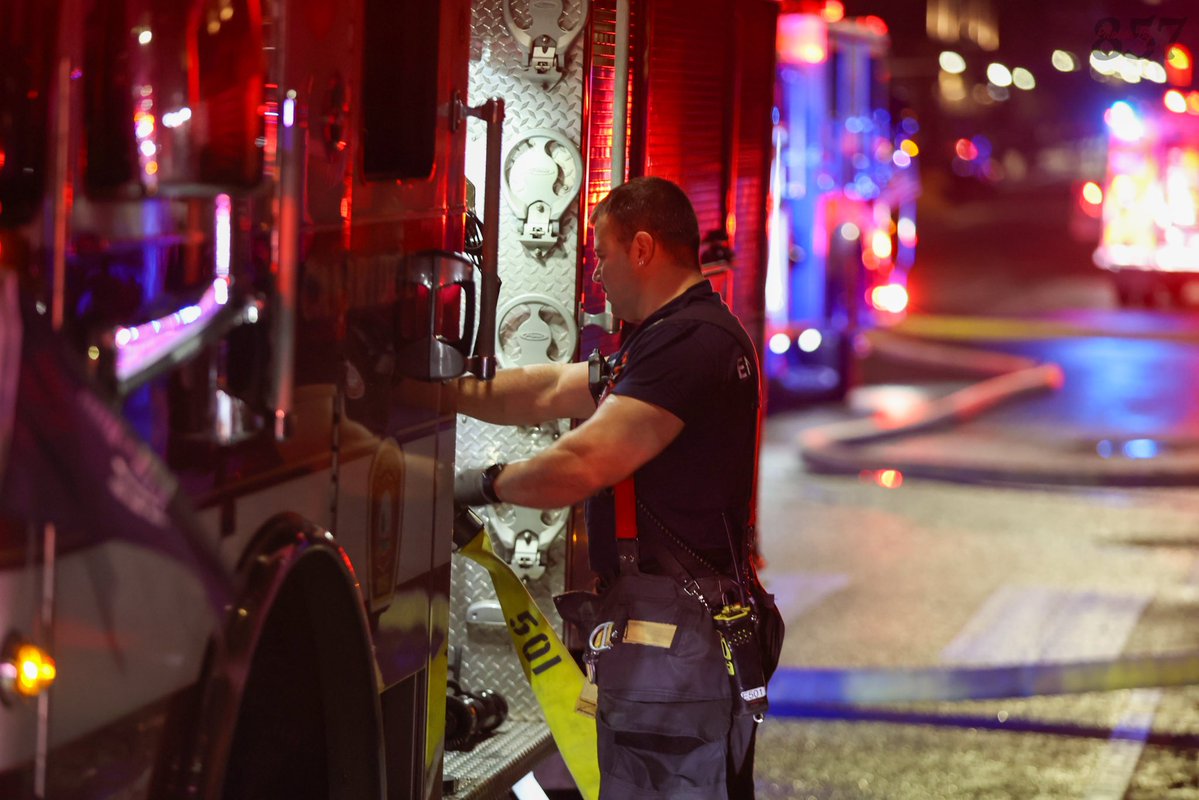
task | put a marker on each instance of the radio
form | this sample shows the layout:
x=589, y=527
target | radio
x=737, y=627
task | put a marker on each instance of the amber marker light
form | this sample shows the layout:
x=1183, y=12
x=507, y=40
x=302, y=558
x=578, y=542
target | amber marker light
x=27, y=672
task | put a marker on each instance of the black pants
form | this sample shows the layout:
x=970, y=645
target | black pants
x=664, y=718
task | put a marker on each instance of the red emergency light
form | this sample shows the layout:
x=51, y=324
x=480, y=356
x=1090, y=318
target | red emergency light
x=833, y=11
x=875, y=25
x=1179, y=66
x=802, y=39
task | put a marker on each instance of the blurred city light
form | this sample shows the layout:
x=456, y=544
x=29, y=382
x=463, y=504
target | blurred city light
x=886, y=478
x=1092, y=193
x=1174, y=101
x=1124, y=122
x=952, y=62
x=1064, y=61
x=1153, y=71
x=1023, y=79
x=810, y=340
x=173, y=119
x=880, y=244
x=1127, y=68
x=892, y=297
x=850, y=232
x=780, y=343
x=890, y=478
x=1141, y=448
x=998, y=74
x=833, y=11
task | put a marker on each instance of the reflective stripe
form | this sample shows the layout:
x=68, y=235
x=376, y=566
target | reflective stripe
x=654, y=634
x=556, y=680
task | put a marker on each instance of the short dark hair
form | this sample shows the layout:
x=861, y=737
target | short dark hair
x=658, y=207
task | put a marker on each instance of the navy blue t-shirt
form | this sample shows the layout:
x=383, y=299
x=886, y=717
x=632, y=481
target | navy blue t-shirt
x=699, y=372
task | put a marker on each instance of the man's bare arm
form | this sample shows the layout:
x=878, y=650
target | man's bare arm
x=623, y=434
x=516, y=396
x=527, y=395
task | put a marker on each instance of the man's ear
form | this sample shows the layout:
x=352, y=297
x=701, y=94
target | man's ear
x=642, y=248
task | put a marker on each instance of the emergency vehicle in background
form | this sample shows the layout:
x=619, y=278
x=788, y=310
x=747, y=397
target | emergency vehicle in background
x=252, y=222
x=1149, y=203
x=844, y=190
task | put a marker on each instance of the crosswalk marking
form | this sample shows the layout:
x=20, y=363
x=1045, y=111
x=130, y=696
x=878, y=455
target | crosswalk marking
x=1019, y=624
x=1037, y=623
x=796, y=593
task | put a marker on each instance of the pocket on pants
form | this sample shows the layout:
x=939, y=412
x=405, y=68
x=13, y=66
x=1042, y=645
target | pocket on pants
x=662, y=750
x=690, y=669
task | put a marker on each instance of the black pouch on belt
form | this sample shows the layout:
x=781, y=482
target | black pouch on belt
x=581, y=609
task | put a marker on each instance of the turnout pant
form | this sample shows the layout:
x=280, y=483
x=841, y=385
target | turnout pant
x=664, y=714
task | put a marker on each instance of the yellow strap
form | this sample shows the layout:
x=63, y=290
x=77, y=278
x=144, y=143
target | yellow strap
x=556, y=680
x=654, y=634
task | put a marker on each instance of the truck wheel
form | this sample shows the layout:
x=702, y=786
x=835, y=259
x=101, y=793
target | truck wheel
x=308, y=724
x=290, y=706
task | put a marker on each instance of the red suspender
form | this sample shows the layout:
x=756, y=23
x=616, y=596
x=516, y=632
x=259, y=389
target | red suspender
x=626, y=510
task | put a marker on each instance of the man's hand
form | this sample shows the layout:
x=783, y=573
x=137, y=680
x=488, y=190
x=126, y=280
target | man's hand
x=476, y=487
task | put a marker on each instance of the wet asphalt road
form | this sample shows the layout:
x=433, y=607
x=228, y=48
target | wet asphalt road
x=934, y=573
x=937, y=573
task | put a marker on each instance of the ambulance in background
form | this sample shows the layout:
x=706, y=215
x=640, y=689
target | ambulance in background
x=1149, y=203
x=844, y=190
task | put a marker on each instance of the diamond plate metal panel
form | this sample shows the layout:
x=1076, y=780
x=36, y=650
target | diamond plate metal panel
x=486, y=655
x=489, y=770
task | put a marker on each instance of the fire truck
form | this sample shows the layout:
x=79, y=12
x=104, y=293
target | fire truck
x=232, y=232
x=1149, y=203
x=843, y=208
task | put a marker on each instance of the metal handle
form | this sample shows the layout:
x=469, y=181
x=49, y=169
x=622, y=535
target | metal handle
x=292, y=146
x=482, y=363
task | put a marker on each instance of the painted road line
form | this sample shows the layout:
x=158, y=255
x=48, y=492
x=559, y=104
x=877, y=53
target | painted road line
x=1118, y=763
x=1091, y=623
x=1039, y=624
x=795, y=593
x=1119, y=760
x=1021, y=623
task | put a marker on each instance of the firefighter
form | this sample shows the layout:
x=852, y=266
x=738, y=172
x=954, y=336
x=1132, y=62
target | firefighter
x=665, y=458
